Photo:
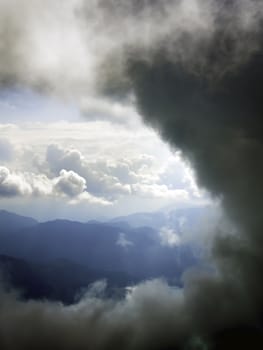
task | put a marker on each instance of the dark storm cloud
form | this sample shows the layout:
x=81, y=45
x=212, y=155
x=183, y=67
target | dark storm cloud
x=195, y=68
x=210, y=107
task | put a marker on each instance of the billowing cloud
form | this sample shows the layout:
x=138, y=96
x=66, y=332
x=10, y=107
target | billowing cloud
x=204, y=105
x=97, y=181
x=130, y=171
x=152, y=315
x=111, y=179
x=135, y=323
x=13, y=184
x=34, y=50
x=70, y=183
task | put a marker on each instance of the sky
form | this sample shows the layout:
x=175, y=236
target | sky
x=57, y=162
x=114, y=106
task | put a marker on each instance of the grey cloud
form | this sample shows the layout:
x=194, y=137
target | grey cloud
x=34, y=50
x=217, y=123
x=134, y=323
x=200, y=88
x=153, y=315
x=121, y=112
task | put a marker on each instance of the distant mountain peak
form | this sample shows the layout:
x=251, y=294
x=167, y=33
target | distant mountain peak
x=11, y=222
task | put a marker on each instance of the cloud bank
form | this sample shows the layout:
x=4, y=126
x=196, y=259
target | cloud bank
x=68, y=185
